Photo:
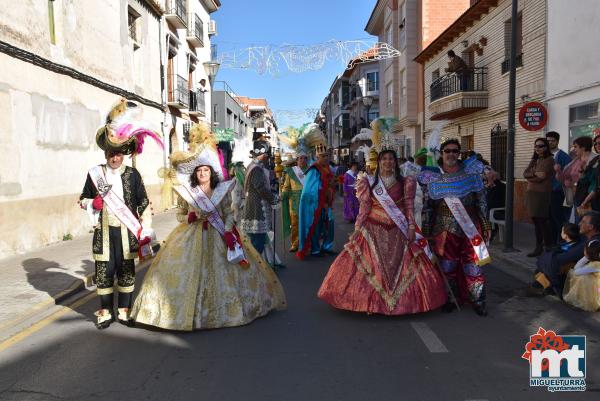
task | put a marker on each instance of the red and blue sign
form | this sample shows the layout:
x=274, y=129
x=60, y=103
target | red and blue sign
x=533, y=116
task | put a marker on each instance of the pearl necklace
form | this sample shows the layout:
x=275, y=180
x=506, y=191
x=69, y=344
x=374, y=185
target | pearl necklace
x=388, y=181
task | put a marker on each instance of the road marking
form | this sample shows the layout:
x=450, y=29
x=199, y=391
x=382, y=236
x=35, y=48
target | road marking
x=45, y=322
x=431, y=340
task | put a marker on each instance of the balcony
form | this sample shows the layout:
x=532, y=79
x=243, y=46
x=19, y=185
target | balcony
x=195, y=32
x=506, y=63
x=454, y=95
x=179, y=94
x=197, y=103
x=176, y=13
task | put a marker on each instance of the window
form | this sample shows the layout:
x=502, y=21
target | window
x=408, y=147
x=132, y=23
x=373, y=115
x=372, y=81
x=389, y=90
x=402, y=26
x=388, y=36
x=584, y=120
x=435, y=75
x=498, y=145
x=467, y=142
x=519, y=48
x=186, y=132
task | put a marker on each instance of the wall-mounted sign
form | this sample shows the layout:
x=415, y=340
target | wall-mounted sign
x=533, y=116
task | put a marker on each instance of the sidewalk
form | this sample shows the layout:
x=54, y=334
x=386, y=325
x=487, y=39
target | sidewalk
x=39, y=279
x=517, y=263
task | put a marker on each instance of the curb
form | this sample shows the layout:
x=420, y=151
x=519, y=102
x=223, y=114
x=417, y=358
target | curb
x=77, y=285
x=522, y=272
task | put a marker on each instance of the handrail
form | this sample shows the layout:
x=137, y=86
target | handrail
x=468, y=80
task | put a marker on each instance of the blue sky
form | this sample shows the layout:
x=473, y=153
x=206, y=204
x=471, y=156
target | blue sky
x=243, y=23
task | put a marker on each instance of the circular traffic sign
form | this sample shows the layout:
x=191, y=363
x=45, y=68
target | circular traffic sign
x=533, y=116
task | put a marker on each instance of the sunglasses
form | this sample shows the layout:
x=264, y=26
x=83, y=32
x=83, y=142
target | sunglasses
x=539, y=146
x=455, y=151
x=597, y=143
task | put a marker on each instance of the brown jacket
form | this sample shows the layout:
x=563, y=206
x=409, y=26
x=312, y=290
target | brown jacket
x=457, y=65
x=541, y=165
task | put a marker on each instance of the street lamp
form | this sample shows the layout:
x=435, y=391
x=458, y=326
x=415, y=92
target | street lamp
x=367, y=102
x=211, y=68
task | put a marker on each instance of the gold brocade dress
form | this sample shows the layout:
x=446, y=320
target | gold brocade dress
x=583, y=291
x=191, y=285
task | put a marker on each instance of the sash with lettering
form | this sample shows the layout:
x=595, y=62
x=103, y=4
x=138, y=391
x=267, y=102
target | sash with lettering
x=120, y=209
x=394, y=212
x=299, y=174
x=196, y=197
x=464, y=221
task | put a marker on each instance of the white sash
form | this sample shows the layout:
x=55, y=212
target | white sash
x=118, y=207
x=196, y=197
x=394, y=212
x=299, y=174
x=462, y=217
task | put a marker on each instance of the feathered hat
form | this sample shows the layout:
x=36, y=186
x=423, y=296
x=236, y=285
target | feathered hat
x=314, y=138
x=124, y=131
x=382, y=133
x=294, y=140
x=434, y=141
x=203, y=152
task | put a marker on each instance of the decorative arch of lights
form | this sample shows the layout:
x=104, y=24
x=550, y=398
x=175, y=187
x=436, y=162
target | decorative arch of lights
x=274, y=60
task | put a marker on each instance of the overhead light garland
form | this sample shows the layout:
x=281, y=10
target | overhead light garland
x=274, y=60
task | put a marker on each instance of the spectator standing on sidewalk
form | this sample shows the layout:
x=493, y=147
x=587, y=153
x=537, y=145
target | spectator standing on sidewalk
x=592, y=173
x=559, y=214
x=539, y=175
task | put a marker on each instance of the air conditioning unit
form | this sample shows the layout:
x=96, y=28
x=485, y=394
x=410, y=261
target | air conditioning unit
x=212, y=27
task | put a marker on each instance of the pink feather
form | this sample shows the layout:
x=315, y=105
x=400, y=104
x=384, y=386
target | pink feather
x=141, y=134
x=222, y=163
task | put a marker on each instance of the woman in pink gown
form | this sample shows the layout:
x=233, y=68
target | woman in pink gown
x=380, y=270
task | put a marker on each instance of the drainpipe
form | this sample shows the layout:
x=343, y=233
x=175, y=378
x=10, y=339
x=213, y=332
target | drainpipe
x=162, y=91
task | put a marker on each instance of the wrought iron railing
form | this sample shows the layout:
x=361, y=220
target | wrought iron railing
x=506, y=63
x=196, y=28
x=197, y=101
x=180, y=92
x=177, y=7
x=470, y=80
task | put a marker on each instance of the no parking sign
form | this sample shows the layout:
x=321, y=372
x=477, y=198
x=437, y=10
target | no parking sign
x=533, y=116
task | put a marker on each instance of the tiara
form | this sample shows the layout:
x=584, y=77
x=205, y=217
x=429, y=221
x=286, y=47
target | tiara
x=321, y=149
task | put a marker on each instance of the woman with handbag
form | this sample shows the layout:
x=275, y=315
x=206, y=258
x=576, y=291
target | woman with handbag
x=539, y=175
x=206, y=275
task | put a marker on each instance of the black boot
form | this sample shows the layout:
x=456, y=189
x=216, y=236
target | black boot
x=480, y=308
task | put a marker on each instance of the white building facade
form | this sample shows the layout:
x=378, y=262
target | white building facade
x=572, y=78
x=58, y=82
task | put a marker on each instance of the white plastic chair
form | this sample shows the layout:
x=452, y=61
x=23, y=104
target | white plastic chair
x=499, y=223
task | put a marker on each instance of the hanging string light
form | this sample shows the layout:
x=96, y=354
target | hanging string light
x=274, y=60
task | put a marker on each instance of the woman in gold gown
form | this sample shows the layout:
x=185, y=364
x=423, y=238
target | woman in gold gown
x=191, y=284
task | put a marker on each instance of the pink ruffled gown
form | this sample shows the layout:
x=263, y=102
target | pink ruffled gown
x=378, y=271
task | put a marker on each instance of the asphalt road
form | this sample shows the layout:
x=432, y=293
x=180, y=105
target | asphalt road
x=308, y=352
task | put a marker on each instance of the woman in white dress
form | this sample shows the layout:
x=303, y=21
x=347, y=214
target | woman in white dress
x=191, y=284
